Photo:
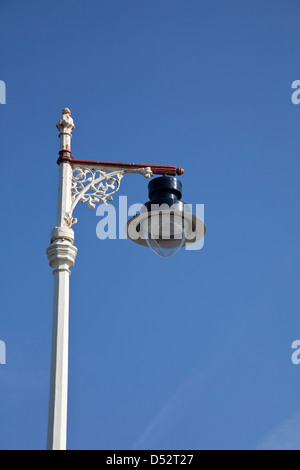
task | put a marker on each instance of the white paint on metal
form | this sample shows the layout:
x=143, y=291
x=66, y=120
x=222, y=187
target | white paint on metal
x=94, y=186
x=61, y=254
x=97, y=187
x=65, y=126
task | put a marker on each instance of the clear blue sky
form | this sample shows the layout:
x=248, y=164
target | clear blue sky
x=191, y=352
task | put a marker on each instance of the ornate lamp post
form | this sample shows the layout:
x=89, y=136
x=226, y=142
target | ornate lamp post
x=93, y=182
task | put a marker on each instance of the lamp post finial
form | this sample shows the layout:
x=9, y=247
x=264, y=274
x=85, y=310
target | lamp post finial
x=65, y=126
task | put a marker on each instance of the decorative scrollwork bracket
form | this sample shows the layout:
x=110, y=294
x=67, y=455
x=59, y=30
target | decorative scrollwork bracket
x=94, y=186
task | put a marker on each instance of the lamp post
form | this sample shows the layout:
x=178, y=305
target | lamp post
x=95, y=182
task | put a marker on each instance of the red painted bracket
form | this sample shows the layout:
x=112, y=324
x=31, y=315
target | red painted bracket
x=66, y=156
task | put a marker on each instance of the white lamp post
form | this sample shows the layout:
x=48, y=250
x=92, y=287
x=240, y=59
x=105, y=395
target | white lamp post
x=79, y=181
x=61, y=254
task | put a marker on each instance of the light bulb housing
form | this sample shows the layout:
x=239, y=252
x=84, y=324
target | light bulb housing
x=165, y=218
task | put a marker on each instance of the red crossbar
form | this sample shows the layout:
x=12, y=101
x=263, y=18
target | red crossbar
x=65, y=156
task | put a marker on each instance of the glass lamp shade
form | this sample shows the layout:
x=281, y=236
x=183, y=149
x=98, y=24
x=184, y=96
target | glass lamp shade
x=165, y=223
x=163, y=234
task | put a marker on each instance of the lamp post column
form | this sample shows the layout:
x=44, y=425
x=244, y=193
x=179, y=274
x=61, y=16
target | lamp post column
x=61, y=254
